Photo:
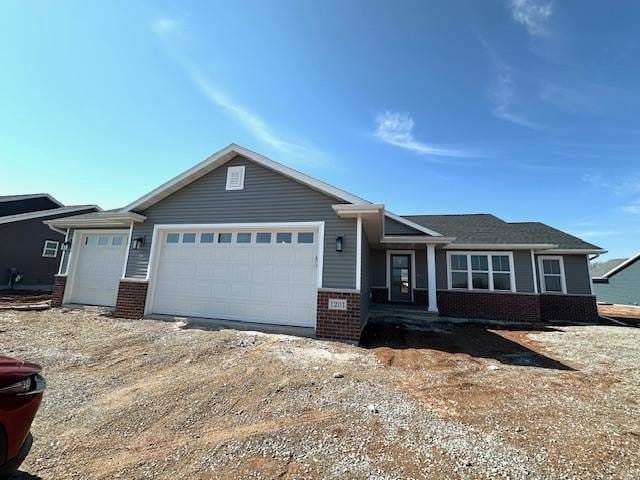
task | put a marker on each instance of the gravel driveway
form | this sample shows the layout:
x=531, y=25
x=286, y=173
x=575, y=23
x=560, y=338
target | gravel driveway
x=150, y=399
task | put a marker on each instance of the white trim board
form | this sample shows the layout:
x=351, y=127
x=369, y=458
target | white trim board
x=413, y=270
x=411, y=224
x=223, y=156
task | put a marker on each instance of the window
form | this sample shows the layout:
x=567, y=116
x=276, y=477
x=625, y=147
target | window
x=263, y=237
x=459, y=271
x=103, y=241
x=244, y=237
x=117, y=241
x=206, y=238
x=224, y=238
x=481, y=271
x=552, y=274
x=282, y=237
x=188, y=238
x=173, y=237
x=50, y=249
x=305, y=237
x=235, y=178
x=89, y=240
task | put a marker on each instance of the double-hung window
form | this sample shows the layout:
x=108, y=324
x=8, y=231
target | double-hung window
x=50, y=249
x=552, y=274
x=481, y=271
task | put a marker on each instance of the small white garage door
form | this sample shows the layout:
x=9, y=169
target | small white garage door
x=258, y=275
x=98, y=268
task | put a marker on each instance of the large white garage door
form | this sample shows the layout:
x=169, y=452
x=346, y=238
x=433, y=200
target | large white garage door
x=257, y=275
x=98, y=268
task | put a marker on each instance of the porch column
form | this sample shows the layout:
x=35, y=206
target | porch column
x=431, y=278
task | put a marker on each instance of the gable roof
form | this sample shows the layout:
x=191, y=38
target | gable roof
x=223, y=156
x=488, y=229
x=614, y=266
x=46, y=213
x=14, y=198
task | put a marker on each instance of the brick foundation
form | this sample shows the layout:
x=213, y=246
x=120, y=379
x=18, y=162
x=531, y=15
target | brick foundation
x=379, y=295
x=420, y=297
x=569, y=308
x=131, y=299
x=57, y=292
x=338, y=324
x=518, y=307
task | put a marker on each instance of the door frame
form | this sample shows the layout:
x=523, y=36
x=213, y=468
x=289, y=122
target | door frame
x=160, y=229
x=74, y=254
x=412, y=253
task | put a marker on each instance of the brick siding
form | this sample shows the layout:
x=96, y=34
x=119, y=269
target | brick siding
x=338, y=324
x=569, y=308
x=420, y=297
x=131, y=299
x=57, y=292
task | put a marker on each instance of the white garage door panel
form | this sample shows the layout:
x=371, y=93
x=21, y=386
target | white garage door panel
x=98, y=268
x=256, y=282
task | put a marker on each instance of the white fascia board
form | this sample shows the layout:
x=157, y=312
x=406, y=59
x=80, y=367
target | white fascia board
x=411, y=224
x=45, y=213
x=220, y=158
x=417, y=239
x=115, y=219
x=353, y=211
x=569, y=251
x=623, y=265
x=501, y=246
x=14, y=198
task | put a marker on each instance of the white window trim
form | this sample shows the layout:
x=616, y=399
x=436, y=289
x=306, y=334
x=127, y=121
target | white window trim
x=45, y=248
x=512, y=273
x=240, y=186
x=413, y=269
x=563, y=282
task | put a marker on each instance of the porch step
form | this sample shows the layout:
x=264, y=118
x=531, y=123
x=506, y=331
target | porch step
x=402, y=312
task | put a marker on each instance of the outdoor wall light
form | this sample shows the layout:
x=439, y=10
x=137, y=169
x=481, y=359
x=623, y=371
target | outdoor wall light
x=138, y=243
x=66, y=246
x=338, y=244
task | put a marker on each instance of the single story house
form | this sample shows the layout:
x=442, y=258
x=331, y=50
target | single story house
x=618, y=281
x=31, y=251
x=242, y=237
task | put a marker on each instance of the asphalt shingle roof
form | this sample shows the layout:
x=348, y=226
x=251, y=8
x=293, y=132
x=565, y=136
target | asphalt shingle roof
x=600, y=269
x=485, y=228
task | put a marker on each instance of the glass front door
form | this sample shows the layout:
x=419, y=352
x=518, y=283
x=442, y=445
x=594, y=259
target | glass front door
x=401, y=278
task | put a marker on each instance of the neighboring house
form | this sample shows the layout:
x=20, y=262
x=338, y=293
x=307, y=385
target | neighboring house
x=31, y=251
x=242, y=237
x=617, y=281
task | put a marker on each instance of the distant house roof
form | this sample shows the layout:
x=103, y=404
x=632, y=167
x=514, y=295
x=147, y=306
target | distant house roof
x=611, y=267
x=488, y=229
x=46, y=213
x=33, y=202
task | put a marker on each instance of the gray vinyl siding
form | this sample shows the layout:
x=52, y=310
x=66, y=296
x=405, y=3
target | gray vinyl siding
x=392, y=227
x=576, y=273
x=441, y=270
x=623, y=287
x=523, y=271
x=378, y=268
x=267, y=197
x=365, y=293
x=421, y=268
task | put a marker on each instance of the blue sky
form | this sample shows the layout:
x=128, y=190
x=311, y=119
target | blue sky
x=527, y=109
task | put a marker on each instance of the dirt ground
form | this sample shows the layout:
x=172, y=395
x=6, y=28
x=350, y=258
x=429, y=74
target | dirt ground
x=153, y=399
x=626, y=313
x=13, y=298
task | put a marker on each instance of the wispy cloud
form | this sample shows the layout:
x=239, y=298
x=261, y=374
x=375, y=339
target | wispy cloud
x=596, y=233
x=397, y=129
x=502, y=92
x=166, y=29
x=633, y=207
x=533, y=15
x=620, y=186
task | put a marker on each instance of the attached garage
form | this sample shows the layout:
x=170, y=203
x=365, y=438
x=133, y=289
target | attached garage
x=254, y=273
x=97, y=259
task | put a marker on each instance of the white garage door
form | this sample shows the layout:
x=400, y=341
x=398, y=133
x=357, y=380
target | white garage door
x=266, y=276
x=98, y=268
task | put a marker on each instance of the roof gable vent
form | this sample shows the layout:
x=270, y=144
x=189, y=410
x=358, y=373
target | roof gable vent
x=235, y=178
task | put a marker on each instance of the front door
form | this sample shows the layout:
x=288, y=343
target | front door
x=401, y=278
